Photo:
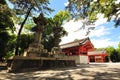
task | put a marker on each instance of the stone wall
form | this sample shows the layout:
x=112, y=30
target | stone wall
x=21, y=64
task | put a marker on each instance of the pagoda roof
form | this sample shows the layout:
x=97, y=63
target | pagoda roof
x=75, y=43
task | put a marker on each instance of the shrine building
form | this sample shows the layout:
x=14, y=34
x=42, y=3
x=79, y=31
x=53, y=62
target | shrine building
x=82, y=51
x=98, y=56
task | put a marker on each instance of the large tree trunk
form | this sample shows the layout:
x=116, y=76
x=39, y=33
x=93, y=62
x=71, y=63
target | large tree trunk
x=18, y=35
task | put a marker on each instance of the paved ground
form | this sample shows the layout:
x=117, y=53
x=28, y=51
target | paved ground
x=92, y=71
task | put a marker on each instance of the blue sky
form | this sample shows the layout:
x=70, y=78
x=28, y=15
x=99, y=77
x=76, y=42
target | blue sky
x=57, y=5
x=103, y=35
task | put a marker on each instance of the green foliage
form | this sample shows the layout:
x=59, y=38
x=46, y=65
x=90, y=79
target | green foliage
x=60, y=17
x=7, y=44
x=110, y=50
x=91, y=8
x=6, y=27
x=22, y=6
x=78, y=8
x=29, y=24
x=119, y=45
x=8, y=55
x=5, y=18
x=59, y=20
x=25, y=40
x=48, y=37
x=118, y=51
x=113, y=53
x=27, y=8
x=3, y=43
x=109, y=8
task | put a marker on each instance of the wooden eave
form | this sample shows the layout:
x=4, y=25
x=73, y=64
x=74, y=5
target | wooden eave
x=75, y=43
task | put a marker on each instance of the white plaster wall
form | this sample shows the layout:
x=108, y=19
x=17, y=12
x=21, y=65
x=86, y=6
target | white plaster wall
x=78, y=59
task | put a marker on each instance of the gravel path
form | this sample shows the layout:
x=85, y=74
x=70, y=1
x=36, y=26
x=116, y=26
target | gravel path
x=92, y=71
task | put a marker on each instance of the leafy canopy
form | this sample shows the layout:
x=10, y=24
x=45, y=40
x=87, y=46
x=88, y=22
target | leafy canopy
x=56, y=22
x=6, y=27
x=110, y=50
x=5, y=17
x=91, y=8
x=22, y=6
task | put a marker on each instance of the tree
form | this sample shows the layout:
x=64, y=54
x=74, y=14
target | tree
x=29, y=24
x=58, y=30
x=48, y=35
x=110, y=9
x=6, y=22
x=118, y=51
x=119, y=45
x=112, y=53
x=91, y=8
x=25, y=40
x=78, y=8
x=26, y=8
x=10, y=47
x=6, y=28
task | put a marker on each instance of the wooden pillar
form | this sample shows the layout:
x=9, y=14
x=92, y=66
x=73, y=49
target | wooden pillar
x=94, y=58
x=79, y=51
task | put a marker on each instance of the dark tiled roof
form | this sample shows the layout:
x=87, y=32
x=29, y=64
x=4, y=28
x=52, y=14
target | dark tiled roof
x=75, y=43
x=97, y=52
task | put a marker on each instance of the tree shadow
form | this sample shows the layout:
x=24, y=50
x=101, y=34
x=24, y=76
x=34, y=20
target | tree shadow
x=68, y=73
x=114, y=74
x=31, y=76
x=3, y=66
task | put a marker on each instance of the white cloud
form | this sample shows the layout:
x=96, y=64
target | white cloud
x=101, y=31
x=73, y=31
x=72, y=36
x=103, y=43
x=66, y=4
x=101, y=20
x=72, y=25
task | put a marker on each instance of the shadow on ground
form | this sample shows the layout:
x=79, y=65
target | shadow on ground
x=81, y=72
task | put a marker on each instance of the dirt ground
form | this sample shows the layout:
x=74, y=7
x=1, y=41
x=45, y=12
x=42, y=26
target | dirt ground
x=92, y=71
